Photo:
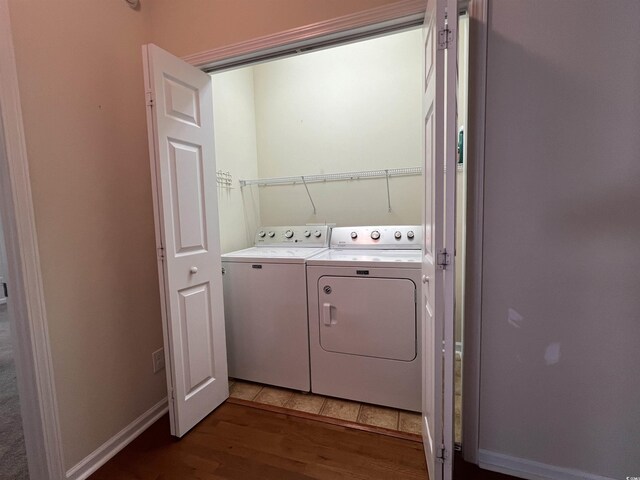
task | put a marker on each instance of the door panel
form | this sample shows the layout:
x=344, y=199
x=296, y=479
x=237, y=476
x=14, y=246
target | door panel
x=439, y=236
x=429, y=148
x=182, y=101
x=195, y=321
x=373, y=317
x=187, y=195
x=180, y=125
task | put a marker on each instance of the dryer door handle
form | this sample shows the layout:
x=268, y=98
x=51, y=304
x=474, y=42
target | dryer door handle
x=326, y=314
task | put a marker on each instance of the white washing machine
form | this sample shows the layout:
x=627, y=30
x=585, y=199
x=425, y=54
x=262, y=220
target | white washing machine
x=265, y=306
x=364, y=324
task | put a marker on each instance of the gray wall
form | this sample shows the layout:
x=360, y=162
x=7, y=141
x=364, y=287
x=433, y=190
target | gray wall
x=561, y=282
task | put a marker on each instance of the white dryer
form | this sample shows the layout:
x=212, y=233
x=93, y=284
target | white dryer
x=265, y=306
x=364, y=324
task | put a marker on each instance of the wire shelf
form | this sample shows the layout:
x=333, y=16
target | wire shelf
x=335, y=177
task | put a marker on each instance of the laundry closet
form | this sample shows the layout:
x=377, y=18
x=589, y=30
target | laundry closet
x=334, y=149
x=286, y=132
x=355, y=107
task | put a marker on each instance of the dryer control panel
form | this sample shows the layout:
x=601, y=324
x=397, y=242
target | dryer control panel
x=300, y=236
x=384, y=237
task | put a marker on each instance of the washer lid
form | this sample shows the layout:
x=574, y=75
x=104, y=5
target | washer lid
x=373, y=258
x=272, y=255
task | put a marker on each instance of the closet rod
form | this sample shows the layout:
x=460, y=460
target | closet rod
x=332, y=177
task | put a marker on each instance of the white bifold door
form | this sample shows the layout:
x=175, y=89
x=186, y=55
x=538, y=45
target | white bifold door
x=180, y=125
x=439, y=109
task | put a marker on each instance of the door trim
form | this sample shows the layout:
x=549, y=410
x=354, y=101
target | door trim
x=367, y=23
x=32, y=349
x=478, y=31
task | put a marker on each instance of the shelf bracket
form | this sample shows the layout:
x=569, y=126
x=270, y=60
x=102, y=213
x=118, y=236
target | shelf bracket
x=309, y=193
x=388, y=193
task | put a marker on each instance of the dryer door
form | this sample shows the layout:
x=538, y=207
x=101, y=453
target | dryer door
x=373, y=317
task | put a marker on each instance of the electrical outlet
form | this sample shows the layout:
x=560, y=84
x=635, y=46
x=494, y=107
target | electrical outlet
x=158, y=360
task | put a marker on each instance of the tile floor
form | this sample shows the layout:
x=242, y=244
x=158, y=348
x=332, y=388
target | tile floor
x=403, y=421
x=365, y=414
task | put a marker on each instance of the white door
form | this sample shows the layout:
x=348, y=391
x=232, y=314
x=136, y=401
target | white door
x=439, y=110
x=180, y=125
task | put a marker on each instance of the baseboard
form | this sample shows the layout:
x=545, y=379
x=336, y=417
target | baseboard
x=520, y=467
x=107, y=450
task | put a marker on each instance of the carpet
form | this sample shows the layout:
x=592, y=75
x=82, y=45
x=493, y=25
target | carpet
x=13, y=457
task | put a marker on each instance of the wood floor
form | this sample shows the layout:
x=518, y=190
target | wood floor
x=245, y=443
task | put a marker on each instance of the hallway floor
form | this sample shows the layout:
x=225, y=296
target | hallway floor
x=244, y=443
x=13, y=458
x=239, y=442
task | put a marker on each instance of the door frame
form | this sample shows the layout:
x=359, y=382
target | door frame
x=340, y=30
x=478, y=33
x=38, y=401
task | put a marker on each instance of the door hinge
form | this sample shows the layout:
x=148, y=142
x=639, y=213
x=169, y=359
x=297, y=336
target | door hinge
x=441, y=454
x=161, y=253
x=149, y=98
x=445, y=38
x=444, y=259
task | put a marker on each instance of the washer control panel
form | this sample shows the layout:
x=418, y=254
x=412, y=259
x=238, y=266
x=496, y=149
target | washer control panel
x=300, y=236
x=386, y=237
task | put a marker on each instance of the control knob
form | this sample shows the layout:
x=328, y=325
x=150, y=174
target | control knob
x=288, y=234
x=410, y=234
x=272, y=234
x=261, y=234
x=354, y=235
x=317, y=234
x=307, y=233
x=398, y=235
x=375, y=234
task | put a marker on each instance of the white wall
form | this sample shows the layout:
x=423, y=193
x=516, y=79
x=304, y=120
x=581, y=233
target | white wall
x=561, y=303
x=81, y=86
x=356, y=107
x=235, y=140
